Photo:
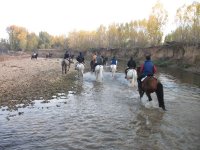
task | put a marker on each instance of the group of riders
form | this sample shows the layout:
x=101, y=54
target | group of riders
x=146, y=69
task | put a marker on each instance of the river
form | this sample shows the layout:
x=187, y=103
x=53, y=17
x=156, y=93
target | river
x=108, y=115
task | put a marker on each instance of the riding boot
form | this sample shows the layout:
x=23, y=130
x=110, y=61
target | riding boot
x=139, y=84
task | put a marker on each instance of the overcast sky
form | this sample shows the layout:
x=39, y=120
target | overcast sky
x=58, y=17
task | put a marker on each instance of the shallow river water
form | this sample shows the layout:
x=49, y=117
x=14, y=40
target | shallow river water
x=108, y=115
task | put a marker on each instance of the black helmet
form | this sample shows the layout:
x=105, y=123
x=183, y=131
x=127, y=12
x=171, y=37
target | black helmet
x=148, y=56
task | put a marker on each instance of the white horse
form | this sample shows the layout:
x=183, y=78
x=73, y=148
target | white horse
x=132, y=77
x=99, y=72
x=80, y=68
x=113, y=69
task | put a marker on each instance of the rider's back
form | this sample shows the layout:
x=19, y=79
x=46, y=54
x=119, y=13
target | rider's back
x=99, y=60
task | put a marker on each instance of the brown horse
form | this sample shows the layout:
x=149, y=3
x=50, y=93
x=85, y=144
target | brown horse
x=151, y=84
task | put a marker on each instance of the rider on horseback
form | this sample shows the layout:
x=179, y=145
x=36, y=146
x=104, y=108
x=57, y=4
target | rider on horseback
x=66, y=55
x=80, y=59
x=99, y=61
x=130, y=65
x=113, y=61
x=147, y=69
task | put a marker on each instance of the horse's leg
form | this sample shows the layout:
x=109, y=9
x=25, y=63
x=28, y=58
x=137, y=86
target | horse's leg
x=82, y=72
x=160, y=95
x=149, y=96
x=62, y=65
x=69, y=66
x=65, y=68
x=96, y=74
x=141, y=92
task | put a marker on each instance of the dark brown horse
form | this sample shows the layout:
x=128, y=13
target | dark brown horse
x=34, y=56
x=151, y=84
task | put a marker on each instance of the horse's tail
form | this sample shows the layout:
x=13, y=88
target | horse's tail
x=160, y=95
x=101, y=72
x=113, y=68
x=134, y=78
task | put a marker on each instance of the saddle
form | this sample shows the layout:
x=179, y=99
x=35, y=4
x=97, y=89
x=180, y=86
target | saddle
x=149, y=83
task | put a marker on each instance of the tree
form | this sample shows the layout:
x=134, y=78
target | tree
x=32, y=41
x=155, y=24
x=45, y=40
x=188, y=25
x=17, y=37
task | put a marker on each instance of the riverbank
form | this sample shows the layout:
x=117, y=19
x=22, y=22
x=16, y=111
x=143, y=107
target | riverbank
x=23, y=80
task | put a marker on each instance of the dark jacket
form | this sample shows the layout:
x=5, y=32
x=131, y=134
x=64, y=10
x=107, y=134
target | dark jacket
x=114, y=61
x=131, y=64
x=80, y=58
x=66, y=55
x=99, y=60
x=148, y=68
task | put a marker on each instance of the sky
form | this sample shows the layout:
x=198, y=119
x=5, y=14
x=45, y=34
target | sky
x=59, y=17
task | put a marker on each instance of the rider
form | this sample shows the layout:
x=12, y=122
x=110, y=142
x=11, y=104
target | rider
x=114, y=61
x=147, y=69
x=130, y=65
x=99, y=61
x=92, y=63
x=66, y=55
x=80, y=59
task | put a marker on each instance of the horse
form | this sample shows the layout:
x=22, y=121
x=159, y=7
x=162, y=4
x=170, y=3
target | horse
x=35, y=55
x=113, y=69
x=80, y=68
x=132, y=77
x=65, y=65
x=99, y=72
x=150, y=84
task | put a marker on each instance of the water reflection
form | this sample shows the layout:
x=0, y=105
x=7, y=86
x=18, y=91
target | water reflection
x=182, y=76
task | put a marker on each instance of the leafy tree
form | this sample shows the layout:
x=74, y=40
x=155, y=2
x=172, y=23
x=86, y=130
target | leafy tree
x=45, y=40
x=17, y=37
x=155, y=24
x=4, y=45
x=32, y=41
x=188, y=22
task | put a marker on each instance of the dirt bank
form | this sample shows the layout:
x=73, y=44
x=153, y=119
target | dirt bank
x=23, y=79
x=168, y=55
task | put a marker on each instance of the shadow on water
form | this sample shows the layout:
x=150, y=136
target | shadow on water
x=106, y=115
